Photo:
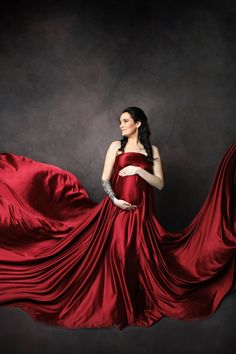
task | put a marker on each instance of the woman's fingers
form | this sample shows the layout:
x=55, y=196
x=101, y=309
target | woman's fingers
x=128, y=206
x=131, y=207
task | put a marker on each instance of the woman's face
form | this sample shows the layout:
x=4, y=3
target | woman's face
x=127, y=125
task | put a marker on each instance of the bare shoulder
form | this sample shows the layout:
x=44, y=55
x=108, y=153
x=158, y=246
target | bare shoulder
x=155, y=151
x=115, y=144
x=113, y=147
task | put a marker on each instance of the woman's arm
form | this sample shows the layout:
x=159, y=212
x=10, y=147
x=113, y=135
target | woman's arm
x=107, y=169
x=106, y=175
x=110, y=160
x=156, y=179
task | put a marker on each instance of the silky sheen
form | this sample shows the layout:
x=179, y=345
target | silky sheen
x=68, y=261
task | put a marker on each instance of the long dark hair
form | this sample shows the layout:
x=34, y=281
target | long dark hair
x=143, y=131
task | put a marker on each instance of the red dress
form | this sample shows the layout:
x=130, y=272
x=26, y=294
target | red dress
x=68, y=261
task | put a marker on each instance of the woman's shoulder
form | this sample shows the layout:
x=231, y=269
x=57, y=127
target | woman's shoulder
x=155, y=152
x=155, y=148
x=115, y=145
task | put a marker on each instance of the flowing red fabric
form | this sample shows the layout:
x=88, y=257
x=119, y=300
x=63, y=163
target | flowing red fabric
x=68, y=261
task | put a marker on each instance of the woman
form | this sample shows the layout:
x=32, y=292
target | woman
x=70, y=262
x=135, y=130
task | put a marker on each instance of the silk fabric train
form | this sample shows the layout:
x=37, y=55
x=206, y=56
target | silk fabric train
x=68, y=261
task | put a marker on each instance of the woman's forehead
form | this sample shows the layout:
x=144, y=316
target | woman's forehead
x=125, y=115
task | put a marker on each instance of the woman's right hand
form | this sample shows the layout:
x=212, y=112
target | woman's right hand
x=124, y=205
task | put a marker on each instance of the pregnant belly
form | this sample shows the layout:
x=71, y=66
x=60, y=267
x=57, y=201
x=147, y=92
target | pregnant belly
x=130, y=189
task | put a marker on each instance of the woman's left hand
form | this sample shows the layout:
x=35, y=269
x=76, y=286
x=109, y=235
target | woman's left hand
x=129, y=170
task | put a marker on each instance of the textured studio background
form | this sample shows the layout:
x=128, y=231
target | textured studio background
x=67, y=70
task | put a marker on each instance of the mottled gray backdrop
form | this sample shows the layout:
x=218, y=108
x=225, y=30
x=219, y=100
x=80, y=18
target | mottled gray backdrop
x=67, y=70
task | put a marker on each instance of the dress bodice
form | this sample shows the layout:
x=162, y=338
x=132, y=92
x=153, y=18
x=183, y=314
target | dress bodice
x=131, y=188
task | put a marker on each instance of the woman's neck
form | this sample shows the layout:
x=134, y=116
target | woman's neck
x=132, y=143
